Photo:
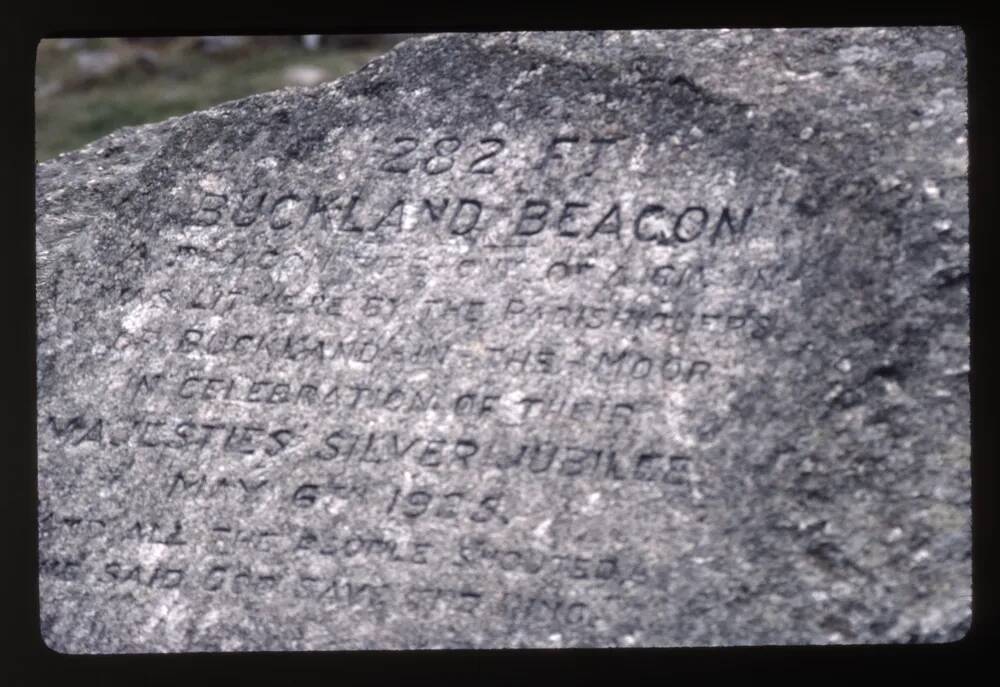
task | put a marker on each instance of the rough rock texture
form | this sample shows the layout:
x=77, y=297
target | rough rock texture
x=518, y=340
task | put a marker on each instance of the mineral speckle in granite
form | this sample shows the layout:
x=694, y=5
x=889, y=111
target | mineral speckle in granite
x=641, y=338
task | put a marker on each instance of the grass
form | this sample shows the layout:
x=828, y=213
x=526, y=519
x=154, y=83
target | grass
x=184, y=79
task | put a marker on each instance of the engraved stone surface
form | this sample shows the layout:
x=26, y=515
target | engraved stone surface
x=646, y=338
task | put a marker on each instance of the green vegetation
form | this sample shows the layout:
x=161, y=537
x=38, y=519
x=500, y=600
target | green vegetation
x=144, y=82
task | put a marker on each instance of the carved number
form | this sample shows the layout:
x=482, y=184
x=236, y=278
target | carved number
x=417, y=503
x=477, y=165
x=401, y=159
x=404, y=146
x=441, y=161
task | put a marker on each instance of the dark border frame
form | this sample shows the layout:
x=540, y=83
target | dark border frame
x=31, y=662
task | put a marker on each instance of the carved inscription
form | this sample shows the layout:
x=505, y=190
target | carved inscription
x=412, y=394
